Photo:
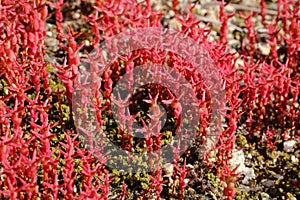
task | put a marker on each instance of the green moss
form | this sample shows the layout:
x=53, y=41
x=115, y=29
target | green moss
x=3, y=88
x=78, y=164
x=145, y=186
x=50, y=68
x=56, y=85
x=66, y=112
x=55, y=153
x=61, y=137
x=62, y=161
x=241, y=140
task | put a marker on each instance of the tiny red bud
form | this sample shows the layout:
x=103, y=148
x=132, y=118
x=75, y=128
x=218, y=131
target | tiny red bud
x=31, y=37
x=35, y=23
x=14, y=40
x=44, y=12
x=11, y=55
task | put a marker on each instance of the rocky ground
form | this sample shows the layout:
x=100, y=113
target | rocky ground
x=265, y=173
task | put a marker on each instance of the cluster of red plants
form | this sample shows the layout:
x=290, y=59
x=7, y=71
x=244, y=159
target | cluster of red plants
x=261, y=92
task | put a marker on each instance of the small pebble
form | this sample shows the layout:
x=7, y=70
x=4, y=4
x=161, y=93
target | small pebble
x=267, y=183
x=265, y=196
x=86, y=43
x=264, y=48
x=288, y=145
x=171, y=13
x=76, y=16
x=49, y=33
x=294, y=159
x=249, y=174
x=229, y=8
x=234, y=44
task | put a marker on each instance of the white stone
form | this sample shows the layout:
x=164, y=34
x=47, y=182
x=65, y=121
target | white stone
x=294, y=159
x=265, y=196
x=49, y=33
x=238, y=158
x=288, y=145
x=249, y=174
x=76, y=15
x=186, y=181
